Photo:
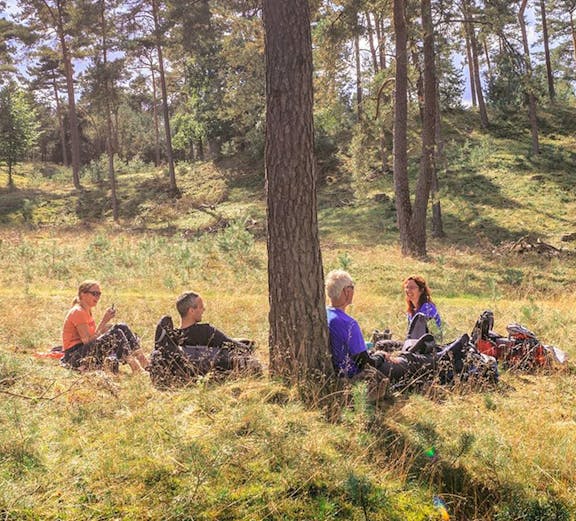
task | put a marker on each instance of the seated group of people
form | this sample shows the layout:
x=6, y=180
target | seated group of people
x=87, y=345
x=350, y=354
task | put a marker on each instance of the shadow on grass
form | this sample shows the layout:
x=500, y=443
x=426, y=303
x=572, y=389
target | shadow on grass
x=415, y=453
x=16, y=201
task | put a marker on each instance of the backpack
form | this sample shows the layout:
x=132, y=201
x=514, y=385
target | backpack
x=521, y=349
x=461, y=362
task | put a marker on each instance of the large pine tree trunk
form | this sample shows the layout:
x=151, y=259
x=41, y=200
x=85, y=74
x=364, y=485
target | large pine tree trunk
x=298, y=337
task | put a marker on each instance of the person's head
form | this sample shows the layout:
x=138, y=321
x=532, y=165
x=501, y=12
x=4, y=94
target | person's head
x=190, y=305
x=339, y=288
x=88, y=293
x=417, y=292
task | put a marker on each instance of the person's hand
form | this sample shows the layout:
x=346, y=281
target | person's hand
x=109, y=314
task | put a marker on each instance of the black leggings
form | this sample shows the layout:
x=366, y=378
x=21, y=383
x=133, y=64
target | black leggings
x=118, y=341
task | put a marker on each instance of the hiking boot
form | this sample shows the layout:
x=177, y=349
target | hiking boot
x=163, y=328
x=457, y=348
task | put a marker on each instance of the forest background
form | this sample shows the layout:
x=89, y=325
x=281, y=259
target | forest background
x=139, y=161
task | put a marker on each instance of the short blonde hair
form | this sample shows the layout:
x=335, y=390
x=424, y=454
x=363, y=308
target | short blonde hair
x=336, y=281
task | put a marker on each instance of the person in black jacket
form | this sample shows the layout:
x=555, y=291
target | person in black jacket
x=193, y=331
x=197, y=348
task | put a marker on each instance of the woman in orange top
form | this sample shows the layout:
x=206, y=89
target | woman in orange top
x=82, y=340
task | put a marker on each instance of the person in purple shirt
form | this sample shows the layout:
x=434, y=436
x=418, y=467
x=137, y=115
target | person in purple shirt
x=350, y=355
x=419, y=304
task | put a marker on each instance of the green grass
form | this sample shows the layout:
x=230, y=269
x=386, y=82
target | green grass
x=99, y=447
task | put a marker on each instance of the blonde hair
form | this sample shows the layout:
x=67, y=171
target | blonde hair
x=336, y=281
x=83, y=288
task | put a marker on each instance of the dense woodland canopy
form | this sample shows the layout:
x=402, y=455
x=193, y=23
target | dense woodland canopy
x=167, y=81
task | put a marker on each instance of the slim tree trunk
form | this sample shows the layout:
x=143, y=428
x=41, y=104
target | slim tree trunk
x=164, y=90
x=427, y=161
x=358, y=77
x=60, y=123
x=110, y=126
x=470, y=67
x=72, y=117
x=549, y=75
x=381, y=40
x=155, y=117
x=400, y=140
x=530, y=91
x=477, y=80
x=299, y=350
x=573, y=32
x=487, y=55
x=373, y=54
x=437, y=224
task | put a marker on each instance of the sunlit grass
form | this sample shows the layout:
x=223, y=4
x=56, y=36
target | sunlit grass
x=97, y=446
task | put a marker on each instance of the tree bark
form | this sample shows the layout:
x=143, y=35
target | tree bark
x=72, y=117
x=60, y=122
x=400, y=140
x=373, y=54
x=475, y=64
x=427, y=161
x=573, y=32
x=358, y=77
x=549, y=75
x=470, y=67
x=381, y=40
x=530, y=92
x=437, y=224
x=298, y=335
x=166, y=112
x=109, y=124
x=155, y=116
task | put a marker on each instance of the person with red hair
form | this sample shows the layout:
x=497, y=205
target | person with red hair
x=419, y=304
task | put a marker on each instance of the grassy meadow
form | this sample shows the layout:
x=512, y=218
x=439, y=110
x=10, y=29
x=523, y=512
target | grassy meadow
x=102, y=447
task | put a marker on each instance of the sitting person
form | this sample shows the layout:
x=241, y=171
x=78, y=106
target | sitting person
x=350, y=355
x=89, y=346
x=193, y=331
x=420, y=309
x=196, y=348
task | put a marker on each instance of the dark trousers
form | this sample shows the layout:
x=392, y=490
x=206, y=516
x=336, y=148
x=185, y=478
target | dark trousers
x=118, y=341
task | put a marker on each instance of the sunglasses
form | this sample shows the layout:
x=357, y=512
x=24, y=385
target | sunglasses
x=94, y=293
